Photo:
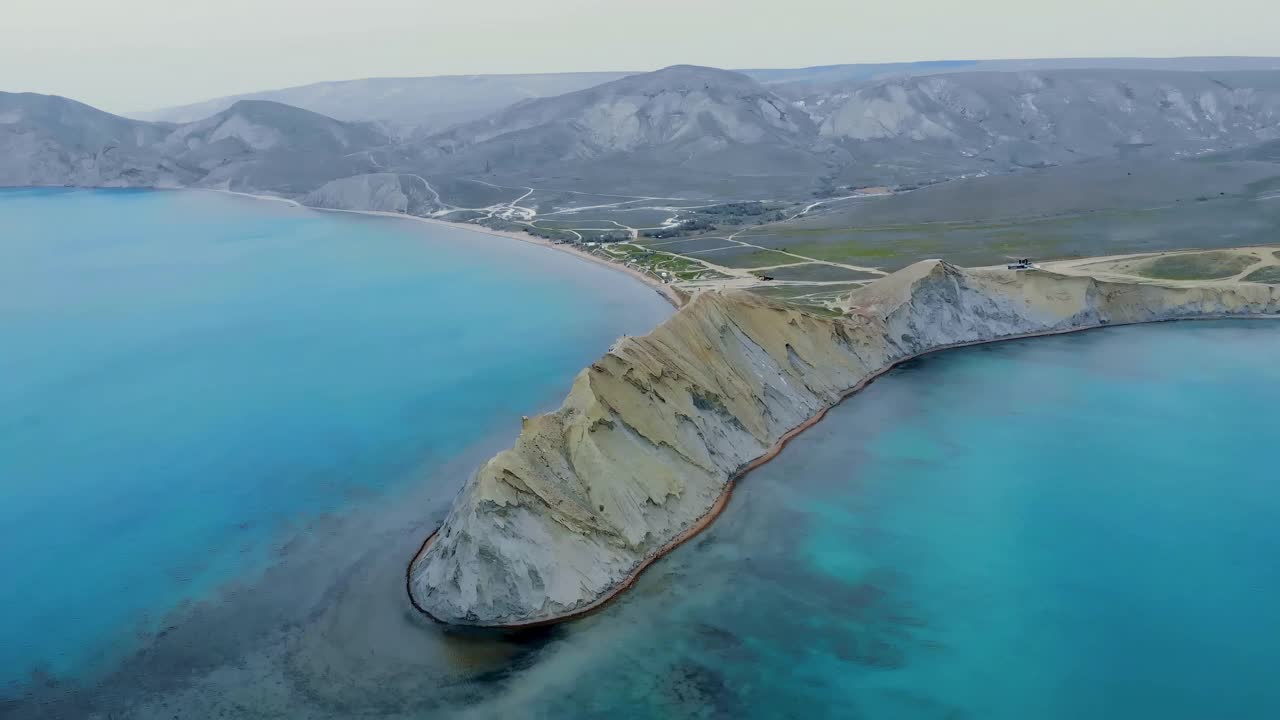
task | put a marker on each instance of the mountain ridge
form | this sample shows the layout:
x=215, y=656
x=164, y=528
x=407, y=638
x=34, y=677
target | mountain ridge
x=1040, y=118
x=406, y=104
x=253, y=145
x=402, y=105
x=682, y=126
x=685, y=130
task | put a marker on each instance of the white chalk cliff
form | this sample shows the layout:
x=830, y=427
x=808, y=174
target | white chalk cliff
x=651, y=435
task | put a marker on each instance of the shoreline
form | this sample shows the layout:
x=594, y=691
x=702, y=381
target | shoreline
x=722, y=501
x=666, y=291
x=273, y=198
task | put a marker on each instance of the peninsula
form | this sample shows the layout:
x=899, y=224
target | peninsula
x=646, y=448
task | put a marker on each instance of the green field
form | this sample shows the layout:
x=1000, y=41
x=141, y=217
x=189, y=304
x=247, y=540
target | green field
x=1269, y=275
x=748, y=257
x=1213, y=265
x=1083, y=210
x=658, y=262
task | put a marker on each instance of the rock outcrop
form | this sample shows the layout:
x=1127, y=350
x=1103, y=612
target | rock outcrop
x=383, y=192
x=651, y=436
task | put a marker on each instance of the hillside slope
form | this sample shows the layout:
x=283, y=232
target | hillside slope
x=405, y=105
x=434, y=103
x=256, y=144
x=684, y=121
x=995, y=121
x=253, y=146
x=683, y=132
x=50, y=140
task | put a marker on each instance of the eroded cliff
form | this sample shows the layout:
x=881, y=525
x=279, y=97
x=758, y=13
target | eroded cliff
x=651, y=435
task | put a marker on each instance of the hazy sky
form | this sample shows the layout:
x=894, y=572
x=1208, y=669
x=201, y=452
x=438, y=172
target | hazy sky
x=125, y=55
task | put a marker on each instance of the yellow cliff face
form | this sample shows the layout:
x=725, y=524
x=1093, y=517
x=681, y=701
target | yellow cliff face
x=652, y=435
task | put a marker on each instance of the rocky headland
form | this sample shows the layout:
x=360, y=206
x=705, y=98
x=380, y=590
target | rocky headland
x=644, y=451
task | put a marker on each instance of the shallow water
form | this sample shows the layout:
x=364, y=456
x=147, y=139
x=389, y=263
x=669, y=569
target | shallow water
x=1065, y=527
x=190, y=383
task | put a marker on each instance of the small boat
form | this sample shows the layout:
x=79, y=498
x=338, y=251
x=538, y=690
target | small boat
x=1023, y=264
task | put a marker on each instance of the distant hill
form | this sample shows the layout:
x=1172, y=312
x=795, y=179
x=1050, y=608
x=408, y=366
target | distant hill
x=402, y=105
x=433, y=104
x=254, y=145
x=684, y=131
x=800, y=80
x=50, y=140
x=688, y=128
x=974, y=122
x=679, y=127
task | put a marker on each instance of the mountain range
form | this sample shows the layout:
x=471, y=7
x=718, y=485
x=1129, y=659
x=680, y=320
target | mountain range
x=693, y=131
x=401, y=104
x=251, y=146
x=431, y=104
x=678, y=129
x=970, y=122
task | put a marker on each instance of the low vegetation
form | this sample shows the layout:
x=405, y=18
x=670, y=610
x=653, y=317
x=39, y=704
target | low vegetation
x=748, y=257
x=742, y=213
x=688, y=227
x=660, y=264
x=1212, y=265
x=1269, y=275
x=739, y=208
x=551, y=234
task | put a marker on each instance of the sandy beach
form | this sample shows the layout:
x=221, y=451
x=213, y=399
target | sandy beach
x=663, y=289
x=666, y=291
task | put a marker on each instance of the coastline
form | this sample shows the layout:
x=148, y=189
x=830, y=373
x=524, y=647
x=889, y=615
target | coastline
x=666, y=291
x=722, y=501
x=272, y=198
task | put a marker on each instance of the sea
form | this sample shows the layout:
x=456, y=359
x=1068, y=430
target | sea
x=226, y=424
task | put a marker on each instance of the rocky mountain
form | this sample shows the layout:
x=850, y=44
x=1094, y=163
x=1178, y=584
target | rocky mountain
x=683, y=131
x=49, y=140
x=683, y=124
x=688, y=128
x=384, y=192
x=433, y=104
x=251, y=146
x=974, y=121
x=256, y=144
x=403, y=105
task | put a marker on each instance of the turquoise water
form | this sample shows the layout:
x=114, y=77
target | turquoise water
x=189, y=380
x=237, y=421
x=1083, y=526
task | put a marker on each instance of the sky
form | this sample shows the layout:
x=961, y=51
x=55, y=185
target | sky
x=134, y=55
